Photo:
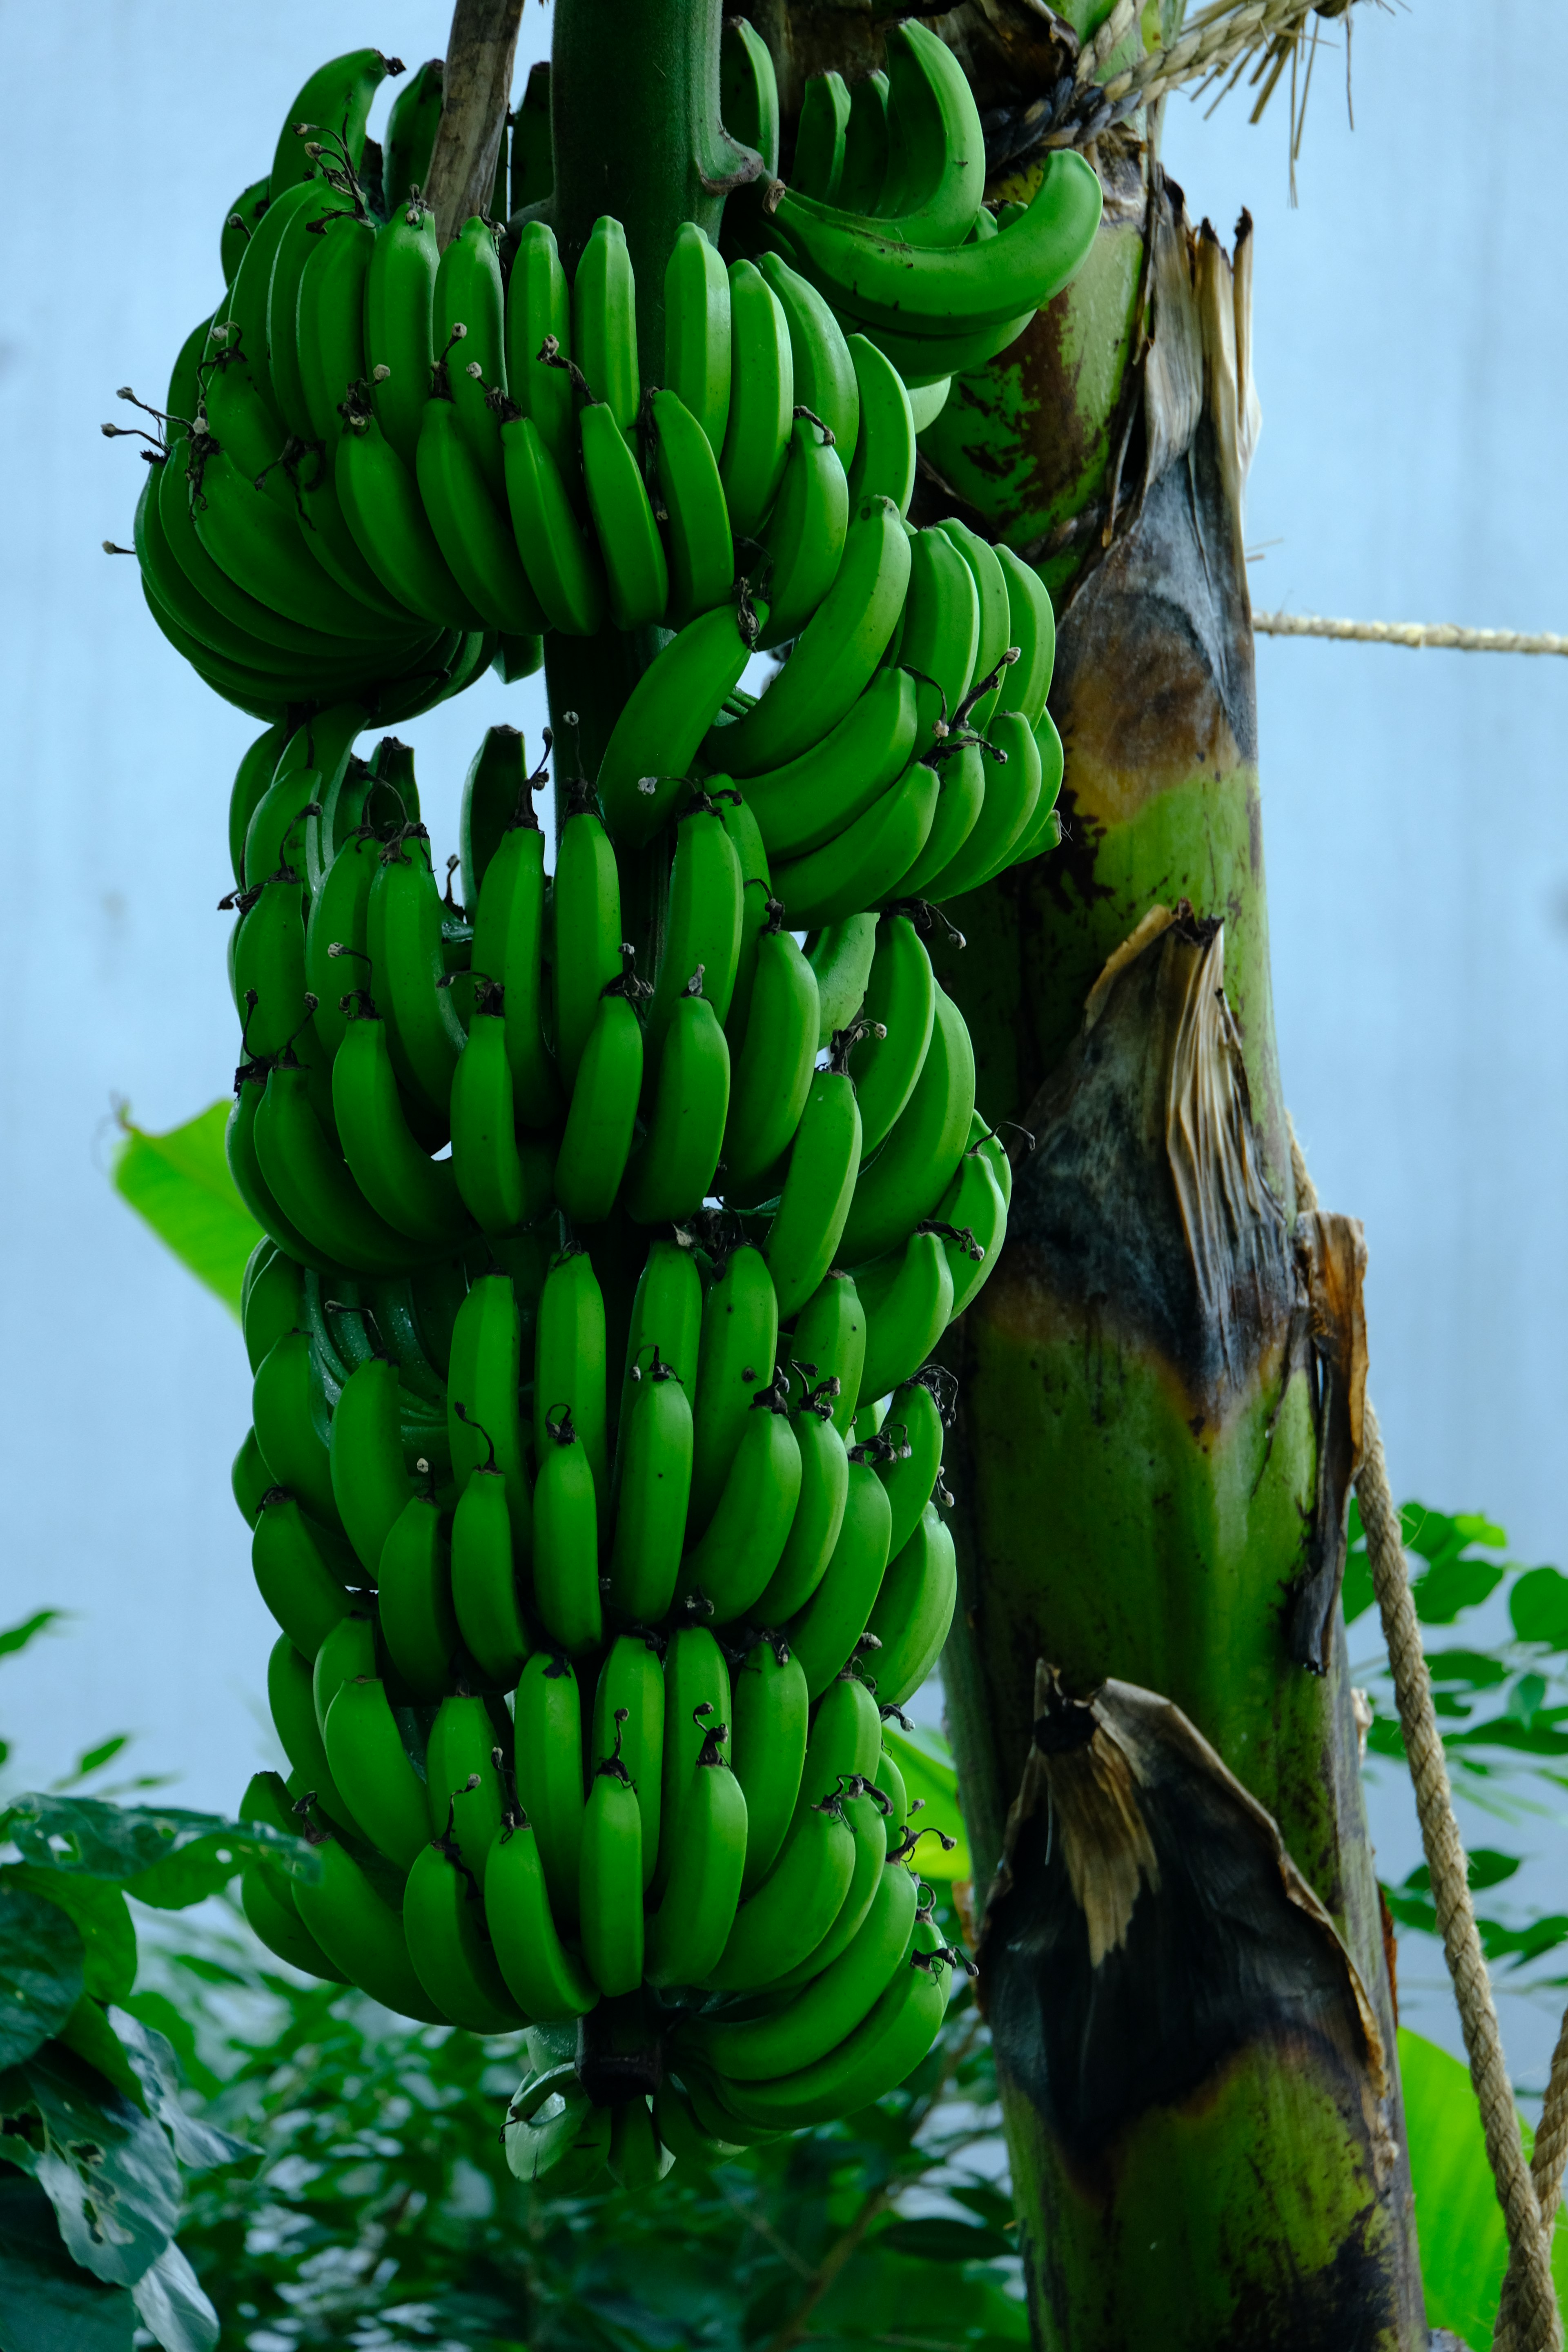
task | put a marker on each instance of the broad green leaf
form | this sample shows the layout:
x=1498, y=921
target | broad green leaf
x=1458, y=2221
x=932, y=1783
x=172, y=2305
x=1477, y=1669
x=107, y=2170
x=180, y=1183
x=87, y=2034
x=165, y=2018
x=40, y=1971
x=49, y=2304
x=152, y=2061
x=17, y=1637
x=1538, y=1604
x=1451, y=1584
x=166, y=1858
x=101, y=1912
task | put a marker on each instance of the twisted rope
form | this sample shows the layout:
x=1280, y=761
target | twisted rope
x=1411, y=633
x=1528, y=2320
x=1217, y=37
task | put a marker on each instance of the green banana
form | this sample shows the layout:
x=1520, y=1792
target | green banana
x=603, y=321
x=825, y=379
x=809, y=800
x=270, y=1913
x=823, y=1633
x=239, y=225
x=869, y=859
x=290, y=1701
x=269, y=966
x=914, y=1167
x=1044, y=829
x=773, y=1071
x=819, y=1513
x=689, y=1932
x=245, y=1166
x=696, y=1701
x=311, y=1185
x=539, y=308
x=914, y=1609
x=239, y=323
x=841, y=956
x=362, y=1932
x=473, y=536
x=402, y=933
x=702, y=551
x=372, y=1766
x=636, y=2160
x=443, y=1924
x=819, y=2018
x=252, y=781
x=635, y=572
x=399, y=305
x=570, y=2147
x=900, y=1003
x=370, y=1481
x=674, y=2118
x=570, y=1371
x=414, y=1590
x=248, y=1479
x=941, y=631
x=271, y=1299
x=301, y=1571
x=484, y=1379
x=768, y=1749
x=484, y=1580
x=339, y=919
x=1012, y=795
x=610, y=1876
x=333, y=107
x=819, y=138
x=548, y=1749
x=413, y=1193
x=762, y=400
x=995, y=618
x=796, y=1904
x=670, y=711
x=493, y=792
x=696, y=358
x=912, y=1473
x=666, y=1315
x=566, y=1539
x=748, y=92
x=560, y=558
x=961, y=801
x=1032, y=627
x=879, y=279
x=888, y=2044
x=671, y=1172
x=885, y=447
x=498, y=1185
x=864, y=167
x=927, y=170
x=866, y=1809
x=301, y=243
x=463, y=1776
x=702, y=923
x=264, y=550
x=588, y=929
x=630, y=1692
x=656, y=1478
x=411, y=129
x=890, y=1782
x=834, y=655
x=509, y=948
x=806, y=533
x=468, y=330
x=736, y=1366
x=819, y=1187
x=378, y=490
x=735, y=1557
x=907, y=1300
x=290, y=1410
x=975, y=1207
x=756, y=893
x=846, y=1736
x=545, y=1979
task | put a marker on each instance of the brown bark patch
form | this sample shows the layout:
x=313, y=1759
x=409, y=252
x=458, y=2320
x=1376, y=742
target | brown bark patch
x=1331, y=1252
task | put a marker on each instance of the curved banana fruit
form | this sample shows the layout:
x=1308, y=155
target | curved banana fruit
x=697, y=354
x=762, y=400
x=914, y=1609
x=819, y=1513
x=771, y=1076
x=768, y=1749
x=823, y=1633
x=907, y=1300
x=806, y=533
x=670, y=711
x=825, y=379
x=819, y=1186
x=902, y=1185
x=547, y=1982
x=810, y=800
x=869, y=859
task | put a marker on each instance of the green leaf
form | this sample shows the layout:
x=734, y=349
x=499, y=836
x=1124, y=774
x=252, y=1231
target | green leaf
x=87, y=2034
x=171, y=2304
x=103, y=1918
x=197, y=2144
x=180, y=1183
x=1356, y=1593
x=166, y=1858
x=1488, y=1868
x=164, y=2017
x=1464, y=2246
x=107, y=2170
x=1476, y=1669
x=932, y=1783
x=17, y=1637
x=41, y=1971
x=1523, y=1702
x=1538, y=1604
x=1452, y=1584
x=93, y=1759
x=52, y=2306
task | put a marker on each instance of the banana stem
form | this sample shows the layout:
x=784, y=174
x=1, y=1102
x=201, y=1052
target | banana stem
x=476, y=92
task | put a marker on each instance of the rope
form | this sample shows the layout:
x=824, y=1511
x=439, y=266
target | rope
x=1214, y=40
x=1411, y=633
x=1545, y=2164
x=1529, y=2321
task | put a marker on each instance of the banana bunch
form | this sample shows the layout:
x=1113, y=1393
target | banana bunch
x=614, y=1209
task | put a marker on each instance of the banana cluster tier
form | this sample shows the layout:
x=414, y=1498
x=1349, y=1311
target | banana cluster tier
x=614, y=1208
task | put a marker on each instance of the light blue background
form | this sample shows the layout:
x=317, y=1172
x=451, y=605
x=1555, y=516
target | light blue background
x=1410, y=342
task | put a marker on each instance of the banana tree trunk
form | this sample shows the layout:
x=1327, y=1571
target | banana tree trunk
x=1181, y=1951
